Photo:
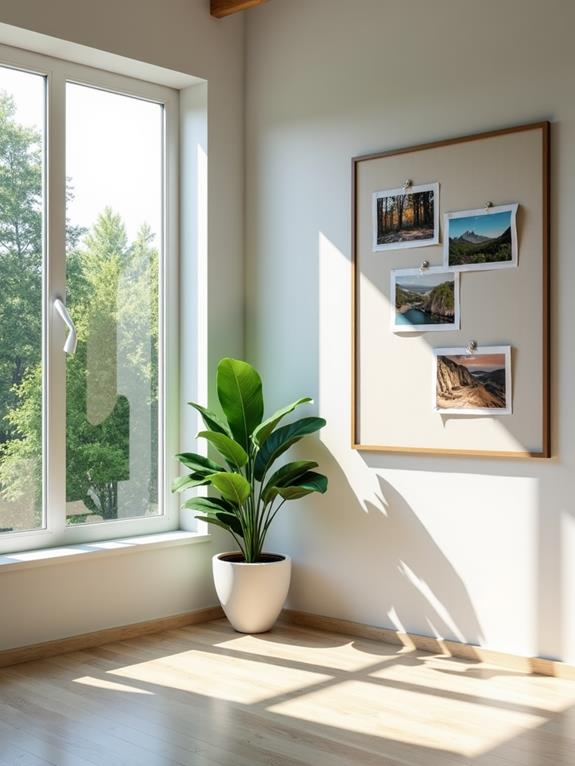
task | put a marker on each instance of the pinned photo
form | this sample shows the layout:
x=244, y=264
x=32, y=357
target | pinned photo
x=481, y=239
x=472, y=384
x=424, y=301
x=406, y=217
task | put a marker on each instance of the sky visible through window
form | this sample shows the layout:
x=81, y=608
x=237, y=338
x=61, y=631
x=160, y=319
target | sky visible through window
x=124, y=168
x=114, y=158
x=28, y=96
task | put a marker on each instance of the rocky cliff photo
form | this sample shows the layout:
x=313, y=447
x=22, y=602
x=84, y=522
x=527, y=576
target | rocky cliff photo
x=426, y=299
x=471, y=383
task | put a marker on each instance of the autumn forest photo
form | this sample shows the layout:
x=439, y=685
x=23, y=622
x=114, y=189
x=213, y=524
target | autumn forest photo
x=405, y=218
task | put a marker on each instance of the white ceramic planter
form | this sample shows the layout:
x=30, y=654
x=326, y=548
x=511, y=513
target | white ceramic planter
x=251, y=595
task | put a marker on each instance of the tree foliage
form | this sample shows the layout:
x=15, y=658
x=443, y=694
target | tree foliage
x=20, y=258
x=112, y=294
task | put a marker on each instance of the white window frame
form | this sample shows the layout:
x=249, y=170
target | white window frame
x=55, y=533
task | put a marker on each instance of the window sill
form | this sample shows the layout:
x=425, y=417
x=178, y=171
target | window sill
x=85, y=551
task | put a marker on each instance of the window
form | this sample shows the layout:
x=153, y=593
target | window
x=87, y=236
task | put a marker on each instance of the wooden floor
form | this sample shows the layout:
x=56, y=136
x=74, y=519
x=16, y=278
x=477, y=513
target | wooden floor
x=207, y=696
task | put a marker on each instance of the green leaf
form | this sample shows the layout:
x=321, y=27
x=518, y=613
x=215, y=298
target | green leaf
x=218, y=507
x=284, y=477
x=233, y=486
x=189, y=481
x=305, y=485
x=232, y=521
x=209, y=504
x=240, y=394
x=212, y=421
x=223, y=523
x=281, y=440
x=199, y=463
x=264, y=429
x=231, y=450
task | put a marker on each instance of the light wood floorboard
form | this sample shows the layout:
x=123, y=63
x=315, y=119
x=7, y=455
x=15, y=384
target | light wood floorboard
x=203, y=695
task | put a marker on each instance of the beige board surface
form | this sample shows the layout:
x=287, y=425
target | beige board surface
x=499, y=307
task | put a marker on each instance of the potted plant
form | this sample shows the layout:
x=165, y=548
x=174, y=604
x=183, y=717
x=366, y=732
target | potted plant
x=251, y=585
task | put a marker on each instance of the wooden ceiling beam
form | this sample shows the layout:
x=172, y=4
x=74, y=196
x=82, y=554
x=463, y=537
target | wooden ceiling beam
x=221, y=8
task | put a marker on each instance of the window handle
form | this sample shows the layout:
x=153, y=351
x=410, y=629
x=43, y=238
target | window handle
x=72, y=339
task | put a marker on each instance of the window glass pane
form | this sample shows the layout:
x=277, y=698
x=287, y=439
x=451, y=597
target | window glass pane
x=114, y=160
x=22, y=105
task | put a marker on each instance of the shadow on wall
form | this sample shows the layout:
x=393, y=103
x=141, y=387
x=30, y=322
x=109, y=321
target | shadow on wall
x=420, y=573
x=355, y=561
x=554, y=511
x=552, y=636
x=545, y=565
x=406, y=579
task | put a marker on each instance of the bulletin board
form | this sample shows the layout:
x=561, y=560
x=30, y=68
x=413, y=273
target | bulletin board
x=392, y=380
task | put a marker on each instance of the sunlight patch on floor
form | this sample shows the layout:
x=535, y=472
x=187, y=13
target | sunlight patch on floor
x=102, y=683
x=344, y=656
x=200, y=673
x=486, y=685
x=409, y=717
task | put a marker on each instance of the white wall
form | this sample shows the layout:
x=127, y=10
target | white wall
x=57, y=600
x=477, y=550
x=61, y=600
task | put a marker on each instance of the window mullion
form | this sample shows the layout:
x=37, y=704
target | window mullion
x=55, y=287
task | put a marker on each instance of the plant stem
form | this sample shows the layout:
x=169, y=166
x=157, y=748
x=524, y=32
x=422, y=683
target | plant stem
x=272, y=517
x=240, y=546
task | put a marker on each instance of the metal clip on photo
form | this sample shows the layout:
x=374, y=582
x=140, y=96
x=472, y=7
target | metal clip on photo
x=471, y=347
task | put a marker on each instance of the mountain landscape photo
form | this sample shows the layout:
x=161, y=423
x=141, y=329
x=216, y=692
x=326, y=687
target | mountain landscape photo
x=481, y=239
x=472, y=382
x=426, y=299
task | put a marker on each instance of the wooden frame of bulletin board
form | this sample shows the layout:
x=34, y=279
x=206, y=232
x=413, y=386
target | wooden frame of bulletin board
x=398, y=396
